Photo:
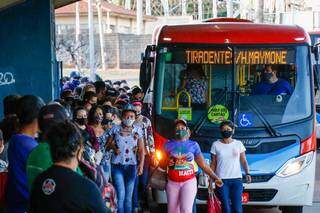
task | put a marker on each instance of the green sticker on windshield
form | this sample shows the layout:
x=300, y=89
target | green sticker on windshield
x=185, y=113
x=218, y=113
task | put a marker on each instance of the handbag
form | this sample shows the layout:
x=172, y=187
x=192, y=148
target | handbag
x=213, y=202
x=158, y=179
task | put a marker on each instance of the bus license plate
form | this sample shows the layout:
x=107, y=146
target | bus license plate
x=245, y=197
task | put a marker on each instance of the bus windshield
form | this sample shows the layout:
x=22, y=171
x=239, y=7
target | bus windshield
x=253, y=86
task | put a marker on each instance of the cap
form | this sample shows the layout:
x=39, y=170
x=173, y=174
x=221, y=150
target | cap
x=181, y=121
x=124, y=97
x=75, y=74
x=136, y=90
x=129, y=107
x=136, y=103
x=51, y=114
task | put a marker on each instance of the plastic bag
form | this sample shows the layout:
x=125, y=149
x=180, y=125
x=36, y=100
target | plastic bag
x=213, y=204
x=3, y=187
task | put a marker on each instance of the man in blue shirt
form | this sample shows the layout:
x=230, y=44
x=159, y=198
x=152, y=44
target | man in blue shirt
x=20, y=146
x=271, y=84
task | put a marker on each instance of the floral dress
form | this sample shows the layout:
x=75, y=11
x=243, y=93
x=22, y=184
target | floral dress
x=105, y=162
x=197, y=88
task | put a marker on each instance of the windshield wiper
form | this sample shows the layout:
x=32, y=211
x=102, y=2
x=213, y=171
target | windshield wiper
x=272, y=131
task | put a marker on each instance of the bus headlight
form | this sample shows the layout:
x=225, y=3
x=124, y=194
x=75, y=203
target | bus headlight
x=158, y=155
x=295, y=165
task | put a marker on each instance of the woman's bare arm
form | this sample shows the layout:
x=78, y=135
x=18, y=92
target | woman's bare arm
x=202, y=164
x=213, y=163
x=244, y=162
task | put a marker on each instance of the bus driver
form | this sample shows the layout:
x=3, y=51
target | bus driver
x=271, y=84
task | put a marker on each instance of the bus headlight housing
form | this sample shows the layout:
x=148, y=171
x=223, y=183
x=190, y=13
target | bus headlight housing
x=295, y=165
x=158, y=155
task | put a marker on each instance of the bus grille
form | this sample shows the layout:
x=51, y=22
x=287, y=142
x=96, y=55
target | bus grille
x=259, y=178
x=261, y=195
x=267, y=147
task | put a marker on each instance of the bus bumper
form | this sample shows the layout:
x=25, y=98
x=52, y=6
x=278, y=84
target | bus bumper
x=295, y=190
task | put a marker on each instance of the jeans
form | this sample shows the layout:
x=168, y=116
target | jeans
x=181, y=195
x=143, y=182
x=106, y=171
x=124, y=177
x=230, y=195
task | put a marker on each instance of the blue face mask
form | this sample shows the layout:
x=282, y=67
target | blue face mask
x=128, y=122
x=181, y=134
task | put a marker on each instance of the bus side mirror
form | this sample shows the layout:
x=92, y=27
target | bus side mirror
x=146, y=67
x=145, y=75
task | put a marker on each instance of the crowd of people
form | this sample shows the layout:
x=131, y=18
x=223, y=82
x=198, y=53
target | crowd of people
x=100, y=129
x=92, y=150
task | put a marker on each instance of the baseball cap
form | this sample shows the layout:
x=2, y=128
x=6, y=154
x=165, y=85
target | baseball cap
x=181, y=121
x=129, y=107
x=50, y=114
x=75, y=74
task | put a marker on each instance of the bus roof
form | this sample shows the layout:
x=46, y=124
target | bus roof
x=233, y=33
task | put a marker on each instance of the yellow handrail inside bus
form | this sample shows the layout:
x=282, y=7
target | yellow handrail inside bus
x=178, y=98
x=177, y=101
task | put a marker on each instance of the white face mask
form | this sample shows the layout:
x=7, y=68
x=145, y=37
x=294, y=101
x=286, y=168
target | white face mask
x=128, y=122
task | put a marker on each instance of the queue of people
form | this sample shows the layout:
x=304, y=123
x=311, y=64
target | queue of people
x=93, y=150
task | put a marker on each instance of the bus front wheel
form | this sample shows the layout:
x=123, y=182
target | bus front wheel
x=291, y=209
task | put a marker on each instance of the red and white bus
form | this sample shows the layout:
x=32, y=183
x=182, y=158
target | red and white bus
x=277, y=128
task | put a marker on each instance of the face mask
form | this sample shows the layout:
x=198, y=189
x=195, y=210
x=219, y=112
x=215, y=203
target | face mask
x=107, y=122
x=81, y=121
x=128, y=122
x=69, y=100
x=226, y=134
x=138, y=113
x=181, y=134
x=98, y=119
x=267, y=75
